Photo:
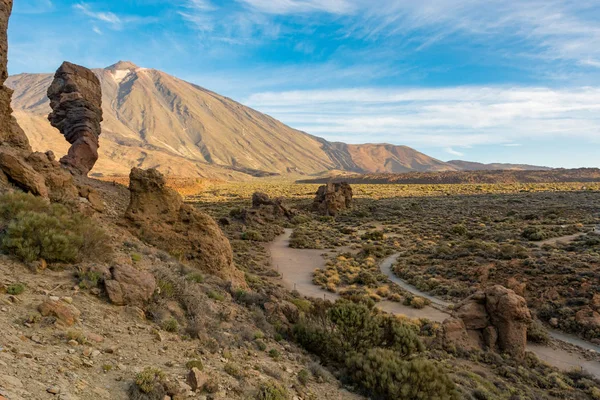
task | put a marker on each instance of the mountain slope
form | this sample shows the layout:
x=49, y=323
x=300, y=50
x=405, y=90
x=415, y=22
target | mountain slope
x=152, y=119
x=475, y=166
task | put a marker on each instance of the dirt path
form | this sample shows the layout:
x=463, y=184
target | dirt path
x=296, y=267
x=386, y=269
x=555, y=240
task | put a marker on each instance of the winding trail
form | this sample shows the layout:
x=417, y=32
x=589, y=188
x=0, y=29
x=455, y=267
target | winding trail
x=296, y=267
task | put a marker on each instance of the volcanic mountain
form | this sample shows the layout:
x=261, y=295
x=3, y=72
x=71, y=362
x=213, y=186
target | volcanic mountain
x=152, y=119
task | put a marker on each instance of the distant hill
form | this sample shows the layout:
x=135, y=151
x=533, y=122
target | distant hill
x=475, y=166
x=467, y=177
x=152, y=119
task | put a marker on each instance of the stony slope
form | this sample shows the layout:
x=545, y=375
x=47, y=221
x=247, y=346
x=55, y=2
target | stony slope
x=152, y=119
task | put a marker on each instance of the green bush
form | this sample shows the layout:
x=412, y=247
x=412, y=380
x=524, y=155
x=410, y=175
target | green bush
x=149, y=379
x=536, y=333
x=170, y=325
x=373, y=235
x=15, y=289
x=33, y=230
x=253, y=235
x=383, y=374
x=194, y=364
x=272, y=391
x=345, y=327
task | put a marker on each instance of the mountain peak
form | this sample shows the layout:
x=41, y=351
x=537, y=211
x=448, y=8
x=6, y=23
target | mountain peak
x=122, y=65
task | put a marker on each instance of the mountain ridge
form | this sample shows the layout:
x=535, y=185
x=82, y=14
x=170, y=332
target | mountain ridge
x=153, y=119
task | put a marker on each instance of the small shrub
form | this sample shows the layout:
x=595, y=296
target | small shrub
x=233, y=370
x=166, y=288
x=536, y=333
x=136, y=257
x=303, y=377
x=170, y=325
x=252, y=235
x=261, y=345
x=274, y=354
x=374, y=235
x=215, y=295
x=272, y=391
x=107, y=368
x=195, y=277
x=149, y=378
x=15, y=289
x=194, y=364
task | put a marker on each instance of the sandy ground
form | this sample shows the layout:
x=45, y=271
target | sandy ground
x=296, y=267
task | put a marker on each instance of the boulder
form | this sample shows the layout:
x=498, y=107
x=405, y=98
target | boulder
x=588, y=317
x=65, y=313
x=76, y=101
x=497, y=316
x=129, y=286
x=454, y=333
x=196, y=379
x=333, y=198
x=158, y=215
x=10, y=132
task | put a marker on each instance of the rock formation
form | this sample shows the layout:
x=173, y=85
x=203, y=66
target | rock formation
x=159, y=216
x=76, y=101
x=11, y=133
x=496, y=318
x=262, y=200
x=333, y=198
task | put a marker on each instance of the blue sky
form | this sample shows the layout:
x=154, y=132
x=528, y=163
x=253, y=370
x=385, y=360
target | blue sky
x=482, y=80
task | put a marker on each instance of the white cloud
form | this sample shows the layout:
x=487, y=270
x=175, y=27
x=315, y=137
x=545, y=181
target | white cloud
x=97, y=30
x=109, y=17
x=301, y=6
x=439, y=117
x=450, y=150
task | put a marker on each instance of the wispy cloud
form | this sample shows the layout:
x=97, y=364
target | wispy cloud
x=111, y=19
x=301, y=6
x=450, y=150
x=440, y=117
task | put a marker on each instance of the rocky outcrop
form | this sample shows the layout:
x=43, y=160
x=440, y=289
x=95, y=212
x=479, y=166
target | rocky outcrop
x=158, y=215
x=76, y=101
x=260, y=200
x=496, y=318
x=10, y=132
x=333, y=198
x=129, y=286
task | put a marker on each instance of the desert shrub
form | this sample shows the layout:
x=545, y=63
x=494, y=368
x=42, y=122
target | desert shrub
x=460, y=229
x=195, y=277
x=271, y=391
x=170, y=325
x=533, y=234
x=15, y=289
x=274, y=354
x=253, y=235
x=194, y=364
x=373, y=235
x=303, y=377
x=233, y=370
x=384, y=374
x=34, y=230
x=149, y=380
x=536, y=333
x=344, y=327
